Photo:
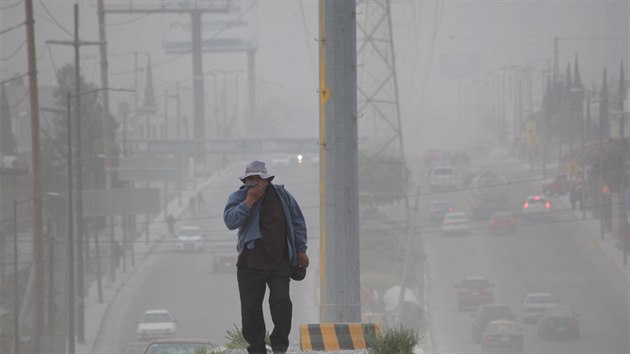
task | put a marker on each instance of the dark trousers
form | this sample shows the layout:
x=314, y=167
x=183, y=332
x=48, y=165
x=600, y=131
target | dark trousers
x=252, y=284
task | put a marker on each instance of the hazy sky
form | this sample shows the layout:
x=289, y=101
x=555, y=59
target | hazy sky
x=426, y=33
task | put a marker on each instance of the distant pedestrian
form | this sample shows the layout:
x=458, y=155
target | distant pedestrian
x=271, y=240
x=201, y=204
x=192, y=205
x=170, y=222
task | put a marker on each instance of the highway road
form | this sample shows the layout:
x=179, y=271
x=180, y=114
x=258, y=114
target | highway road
x=206, y=303
x=556, y=257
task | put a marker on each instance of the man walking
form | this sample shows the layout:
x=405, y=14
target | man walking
x=271, y=239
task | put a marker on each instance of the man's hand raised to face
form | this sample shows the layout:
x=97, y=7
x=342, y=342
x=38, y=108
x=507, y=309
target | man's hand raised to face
x=255, y=193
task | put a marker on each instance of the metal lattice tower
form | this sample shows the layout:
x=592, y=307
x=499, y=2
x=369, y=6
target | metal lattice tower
x=381, y=150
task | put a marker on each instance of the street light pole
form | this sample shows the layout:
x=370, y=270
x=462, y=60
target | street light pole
x=70, y=244
x=16, y=301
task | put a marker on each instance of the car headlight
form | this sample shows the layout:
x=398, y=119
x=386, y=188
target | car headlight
x=300, y=158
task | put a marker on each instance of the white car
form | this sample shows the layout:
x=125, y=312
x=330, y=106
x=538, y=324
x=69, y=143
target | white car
x=456, y=222
x=156, y=324
x=536, y=206
x=189, y=238
x=443, y=178
x=534, y=305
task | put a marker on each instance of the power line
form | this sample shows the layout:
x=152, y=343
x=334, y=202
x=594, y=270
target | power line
x=17, y=104
x=12, y=28
x=14, y=52
x=11, y=6
x=54, y=19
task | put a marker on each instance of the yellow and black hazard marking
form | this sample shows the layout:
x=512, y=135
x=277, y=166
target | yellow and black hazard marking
x=336, y=336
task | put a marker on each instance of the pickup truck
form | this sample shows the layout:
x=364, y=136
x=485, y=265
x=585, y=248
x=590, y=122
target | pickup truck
x=559, y=186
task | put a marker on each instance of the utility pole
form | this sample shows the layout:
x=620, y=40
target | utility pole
x=38, y=313
x=195, y=13
x=624, y=179
x=70, y=244
x=107, y=133
x=76, y=44
x=339, y=218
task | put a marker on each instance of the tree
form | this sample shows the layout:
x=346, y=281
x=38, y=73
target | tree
x=55, y=140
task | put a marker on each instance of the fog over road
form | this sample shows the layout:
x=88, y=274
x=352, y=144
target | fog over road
x=557, y=257
x=206, y=304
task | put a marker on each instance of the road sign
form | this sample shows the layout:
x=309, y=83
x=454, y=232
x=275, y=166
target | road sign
x=572, y=167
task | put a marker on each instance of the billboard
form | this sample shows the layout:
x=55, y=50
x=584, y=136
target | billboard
x=232, y=31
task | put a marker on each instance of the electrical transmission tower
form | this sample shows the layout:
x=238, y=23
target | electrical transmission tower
x=381, y=151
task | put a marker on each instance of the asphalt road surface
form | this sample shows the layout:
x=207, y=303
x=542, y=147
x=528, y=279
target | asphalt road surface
x=206, y=303
x=556, y=257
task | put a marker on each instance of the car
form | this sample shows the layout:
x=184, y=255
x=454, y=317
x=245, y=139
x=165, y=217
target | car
x=502, y=336
x=486, y=314
x=135, y=348
x=536, y=207
x=189, y=238
x=534, y=305
x=156, y=324
x=223, y=251
x=180, y=346
x=558, y=322
x=502, y=222
x=455, y=223
x=443, y=178
x=474, y=291
x=439, y=209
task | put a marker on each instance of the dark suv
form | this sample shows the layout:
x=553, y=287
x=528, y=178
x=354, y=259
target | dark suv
x=486, y=314
x=474, y=291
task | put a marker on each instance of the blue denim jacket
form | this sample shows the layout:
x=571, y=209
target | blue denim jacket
x=237, y=215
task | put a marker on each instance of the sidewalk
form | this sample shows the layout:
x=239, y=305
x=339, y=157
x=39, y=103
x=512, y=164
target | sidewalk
x=96, y=313
x=591, y=227
x=607, y=245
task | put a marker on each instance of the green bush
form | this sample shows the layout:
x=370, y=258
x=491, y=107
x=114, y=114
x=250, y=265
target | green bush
x=237, y=341
x=398, y=340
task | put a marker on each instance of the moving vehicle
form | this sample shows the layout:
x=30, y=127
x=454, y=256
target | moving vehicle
x=455, y=223
x=156, y=324
x=189, y=238
x=486, y=314
x=439, y=209
x=223, y=250
x=490, y=193
x=443, y=178
x=180, y=346
x=558, y=322
x=474, y=291
x=535, y=304
x=536, y=207
x=502, y=336
x=560, y=185
x=502, y=222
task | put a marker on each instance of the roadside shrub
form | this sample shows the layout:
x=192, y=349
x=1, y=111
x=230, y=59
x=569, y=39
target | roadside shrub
x=397, y=340
x=237, y=341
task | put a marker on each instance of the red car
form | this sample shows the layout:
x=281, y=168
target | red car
x=474, y=291
x=502, y=221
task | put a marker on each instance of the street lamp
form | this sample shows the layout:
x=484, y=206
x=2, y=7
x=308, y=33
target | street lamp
x=80, y=277
x=16, y=302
